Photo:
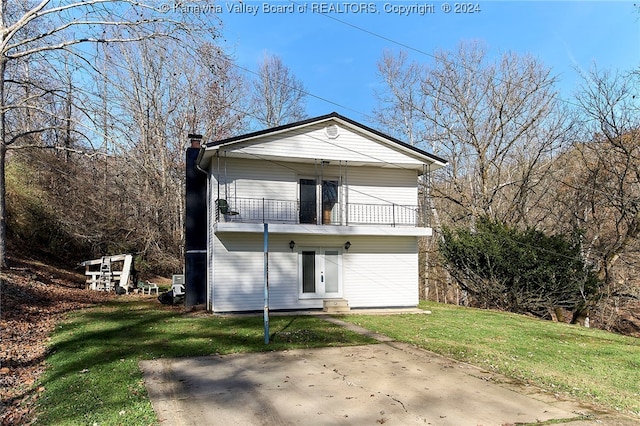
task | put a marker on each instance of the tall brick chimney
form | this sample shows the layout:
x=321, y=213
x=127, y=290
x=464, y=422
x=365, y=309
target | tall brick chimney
x=195, y=265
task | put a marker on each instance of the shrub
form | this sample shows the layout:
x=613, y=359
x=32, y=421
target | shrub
x=523, y=271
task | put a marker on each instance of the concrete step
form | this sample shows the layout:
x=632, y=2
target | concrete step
x=334, y=306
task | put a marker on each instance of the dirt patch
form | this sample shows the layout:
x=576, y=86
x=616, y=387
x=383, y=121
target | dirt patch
x=629, y=319
x=33, y=298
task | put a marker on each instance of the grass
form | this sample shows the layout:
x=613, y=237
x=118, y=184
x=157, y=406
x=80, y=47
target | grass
x=93, y=376
x=92, y=372
x=592, y=365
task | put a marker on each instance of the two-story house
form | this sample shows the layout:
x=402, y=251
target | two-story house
x=343, y=209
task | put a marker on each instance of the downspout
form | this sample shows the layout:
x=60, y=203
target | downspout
x=200, y=153
x=321, y=197
x=340, y=192
x=425, y=178
x=226, y=190
x=209, y=260
x=200, y=169
x=218, y=182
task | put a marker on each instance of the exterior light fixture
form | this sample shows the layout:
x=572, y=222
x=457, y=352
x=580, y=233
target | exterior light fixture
x=347, y=245
x=292, y=244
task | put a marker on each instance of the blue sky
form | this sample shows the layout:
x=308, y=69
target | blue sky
x=337, y=61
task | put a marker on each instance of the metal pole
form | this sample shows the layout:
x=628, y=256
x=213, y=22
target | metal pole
x=346, y=193
x=266, y=283
x=394, y=215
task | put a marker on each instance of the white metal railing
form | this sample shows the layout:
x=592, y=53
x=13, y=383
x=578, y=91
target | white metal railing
x=263, y=210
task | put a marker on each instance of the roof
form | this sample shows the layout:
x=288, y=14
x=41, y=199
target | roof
x=334, y=116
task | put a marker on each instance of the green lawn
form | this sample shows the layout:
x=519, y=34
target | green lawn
x=593, y=365
x=92, y=372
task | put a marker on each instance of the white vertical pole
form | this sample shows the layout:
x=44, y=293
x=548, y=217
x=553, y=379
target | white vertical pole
x=266, y=283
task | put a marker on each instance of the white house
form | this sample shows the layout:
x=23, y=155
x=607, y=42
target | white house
x=342, y=205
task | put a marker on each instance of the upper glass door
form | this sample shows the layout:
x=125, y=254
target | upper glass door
x=329, y=207
x=308, y=201
x=329, y=202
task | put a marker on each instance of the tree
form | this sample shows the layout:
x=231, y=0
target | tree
x=278, y=96
x=498, y=123
x=600, y=186
x=221, y=112
x=519, y=271
x=611, y=162
x=43, y=31
x=401, y=102
x=158, y=106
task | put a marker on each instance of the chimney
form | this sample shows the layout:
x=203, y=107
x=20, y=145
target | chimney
x=195, y=268
x=196, y=140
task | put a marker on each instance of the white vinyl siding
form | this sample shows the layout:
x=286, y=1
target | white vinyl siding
x=381, y=272
x=376, y=271
x=254, y=179
x=265, y=179
x=239, y=277
x=379, y=186
x=312, y=142
x=256, y=190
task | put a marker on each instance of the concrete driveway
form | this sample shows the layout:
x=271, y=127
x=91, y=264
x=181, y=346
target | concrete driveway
x=386, y=383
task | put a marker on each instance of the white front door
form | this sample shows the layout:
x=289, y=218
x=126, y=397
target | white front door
x=320, y=273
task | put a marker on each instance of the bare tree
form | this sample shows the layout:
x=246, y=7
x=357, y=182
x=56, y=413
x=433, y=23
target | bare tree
x=161, y=100
x=43, y=30
x=607, y=178
x=597, y=192
x=497, y=123
x=401, y=102
x=218, y=95
x=278, y=96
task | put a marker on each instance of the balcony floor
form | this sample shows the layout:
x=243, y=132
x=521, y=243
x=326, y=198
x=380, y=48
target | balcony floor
x=280, y=228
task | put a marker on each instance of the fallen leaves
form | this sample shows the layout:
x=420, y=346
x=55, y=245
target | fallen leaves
x=33, y=299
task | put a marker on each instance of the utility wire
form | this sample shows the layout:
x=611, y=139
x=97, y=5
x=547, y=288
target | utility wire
x=305, y=92
x=412, y=48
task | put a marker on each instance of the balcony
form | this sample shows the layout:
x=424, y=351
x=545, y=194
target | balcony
x=262, y=210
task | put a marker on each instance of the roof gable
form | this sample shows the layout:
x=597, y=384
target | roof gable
x=329, y=137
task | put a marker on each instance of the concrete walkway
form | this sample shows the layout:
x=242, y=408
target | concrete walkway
x=386, y=383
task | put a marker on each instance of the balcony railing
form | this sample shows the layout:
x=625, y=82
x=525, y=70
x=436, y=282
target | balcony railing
x=263, y=210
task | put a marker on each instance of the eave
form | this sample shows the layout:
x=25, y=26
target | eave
x=212, y=149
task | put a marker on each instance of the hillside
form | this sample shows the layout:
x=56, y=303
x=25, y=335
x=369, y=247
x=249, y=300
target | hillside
x=33, y=298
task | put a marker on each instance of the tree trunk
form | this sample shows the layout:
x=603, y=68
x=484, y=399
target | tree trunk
x=3, y=156
x=3, y=204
